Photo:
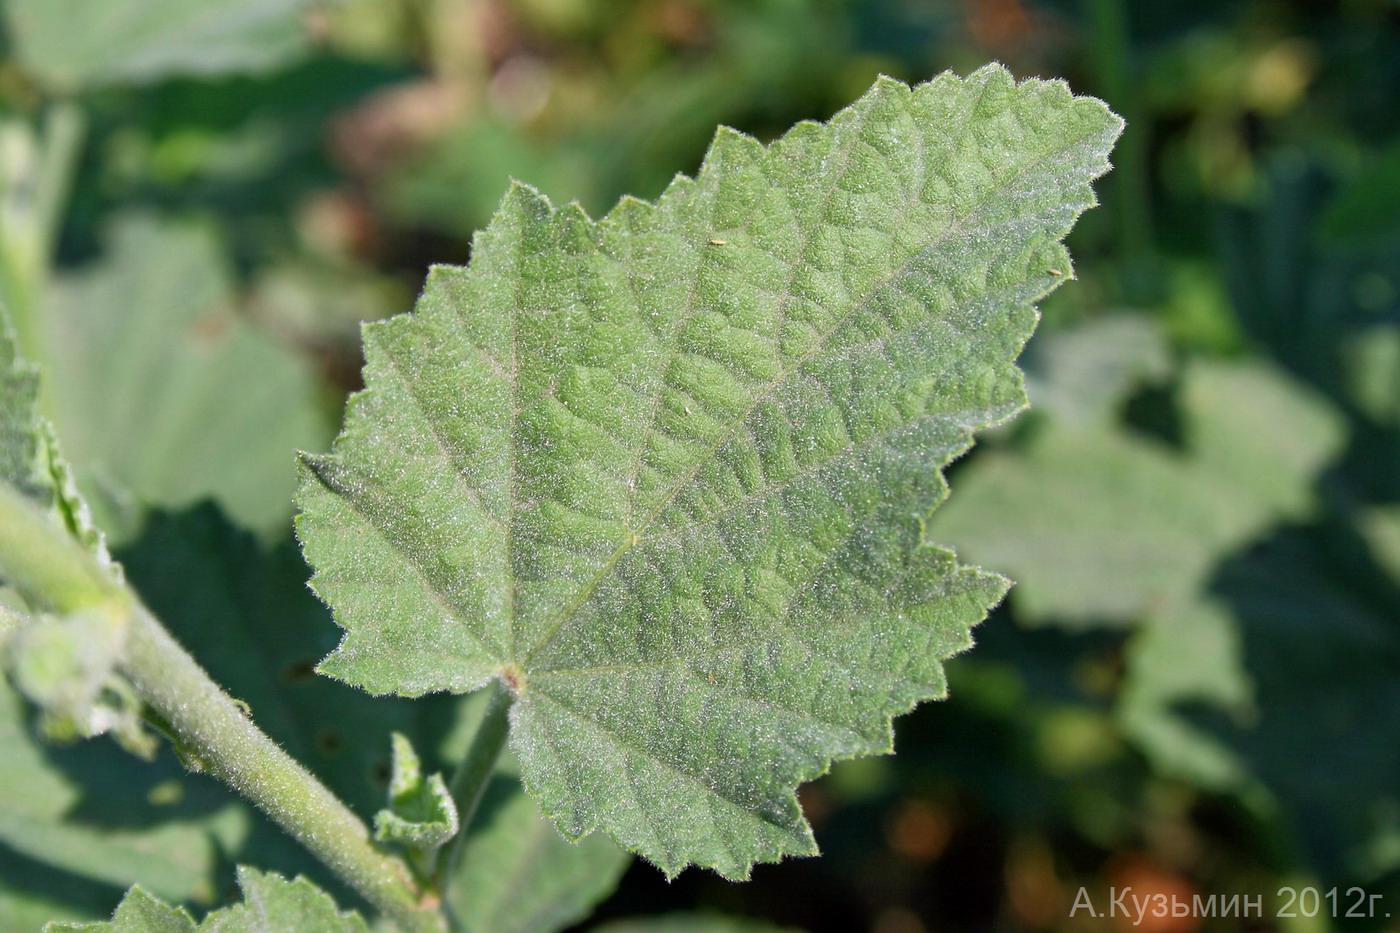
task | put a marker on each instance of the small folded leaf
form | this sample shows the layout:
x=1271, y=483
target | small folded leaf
x=271, y=904
x=666, y=474
x=421, y=813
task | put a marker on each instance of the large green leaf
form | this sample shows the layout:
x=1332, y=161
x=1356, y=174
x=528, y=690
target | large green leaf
x=665, y=474
x=72, y=44
x=271, y=904
x=162, y=391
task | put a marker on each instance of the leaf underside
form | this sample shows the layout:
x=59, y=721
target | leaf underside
x=666, y=473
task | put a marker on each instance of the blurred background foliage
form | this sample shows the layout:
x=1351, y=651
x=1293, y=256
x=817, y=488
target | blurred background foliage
x=1192, y=689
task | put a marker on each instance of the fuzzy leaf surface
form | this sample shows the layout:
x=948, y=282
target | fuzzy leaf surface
x=666, y=473
x=271, y=904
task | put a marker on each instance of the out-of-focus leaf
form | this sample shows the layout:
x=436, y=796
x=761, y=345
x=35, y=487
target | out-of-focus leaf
x=74, y=44
x=159, y=387
x=91, y=827
x=1371, y=359
x=271, y=904
x=518, y=875
x=691, y=923
x=1082, y=376
x=665, y=474
x=1190, y=659
x=1101, y=525
x=1321, y=645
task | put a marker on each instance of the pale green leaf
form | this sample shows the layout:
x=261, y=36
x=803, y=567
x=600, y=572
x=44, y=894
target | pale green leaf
x=139, y=912
x=1083, y=375
x=1189, y=658
x=72, y=44
x=421, y=813
x=518, y=875
x=271, y=904
x=162, y=391
x=665, y=474
x=1102, y=525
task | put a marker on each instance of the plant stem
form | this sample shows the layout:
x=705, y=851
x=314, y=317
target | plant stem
x=45, y=564
x=31, y=216
x=53, y=571
x=237, y=752
x=469, y=783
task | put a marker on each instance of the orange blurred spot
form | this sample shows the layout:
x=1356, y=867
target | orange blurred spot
x=997, y=23
x=1149, y=879
x=919, y=831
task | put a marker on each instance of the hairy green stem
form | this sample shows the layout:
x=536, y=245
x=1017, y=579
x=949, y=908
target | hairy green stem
x=469, y=783
x=54, y=572
x=44, y=563
x=236, y=751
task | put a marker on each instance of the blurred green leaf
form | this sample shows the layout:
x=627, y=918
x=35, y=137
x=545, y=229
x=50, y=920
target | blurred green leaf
x=518, y=875
x=161, y=390
x=1100, y=525
x=70, y=45
x=1083, y=375
x=83, y=821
